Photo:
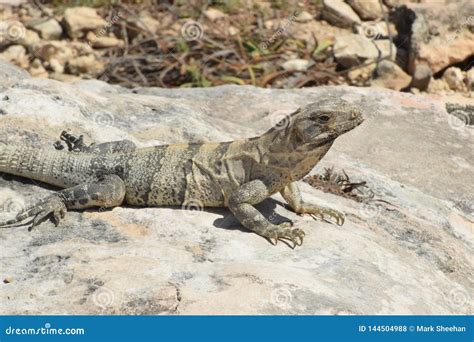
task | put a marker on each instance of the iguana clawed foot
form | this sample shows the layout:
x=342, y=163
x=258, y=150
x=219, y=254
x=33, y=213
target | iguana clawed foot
x=284, y=231
x=51, y=205
x=321, y=213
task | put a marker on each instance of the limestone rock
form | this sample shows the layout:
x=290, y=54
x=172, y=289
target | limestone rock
x=437, y=38
x=366, y=9
x=391, y=76
x=470, y=78
x=147, y=22
x=103, y=41
x=36, y=69
x=304, y=17
x=437, y=86
x=454, y=78
x=49, y=29
x=338, y=13
x=16, y=54
x=421, y=77
x=297, y=64
x=87, y=64
x=411, y=257
x=353, y=49
x=213, y=14
x=29, y=39
x=383, y=47
x=80, y=19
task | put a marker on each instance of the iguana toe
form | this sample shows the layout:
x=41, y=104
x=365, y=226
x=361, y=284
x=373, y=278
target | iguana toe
x=321, y=213
x=283, y=232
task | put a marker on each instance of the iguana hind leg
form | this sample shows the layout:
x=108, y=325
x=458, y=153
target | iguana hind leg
x=107, y=191
x=76, y=144
x=291, y=193
x=242, y=202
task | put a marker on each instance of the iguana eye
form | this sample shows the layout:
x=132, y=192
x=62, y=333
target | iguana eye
x=323, y=118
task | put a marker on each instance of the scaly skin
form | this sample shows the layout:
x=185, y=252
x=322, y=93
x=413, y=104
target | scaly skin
x=237, y=174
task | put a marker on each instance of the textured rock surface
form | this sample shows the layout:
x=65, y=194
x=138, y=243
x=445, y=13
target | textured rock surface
x=366, y=9
x=353, y=49
x=412, y=257
x=338, y=13
x=391, y=76
x=80, y=19
x=441, y=33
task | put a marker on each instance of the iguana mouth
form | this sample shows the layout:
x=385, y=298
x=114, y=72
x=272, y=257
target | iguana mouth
x=349, y=125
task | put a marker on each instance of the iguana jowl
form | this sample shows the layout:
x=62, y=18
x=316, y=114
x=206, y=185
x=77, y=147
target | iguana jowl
x=237, y=174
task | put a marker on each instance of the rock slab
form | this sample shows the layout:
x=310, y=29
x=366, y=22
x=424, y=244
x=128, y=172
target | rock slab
x=413, y=256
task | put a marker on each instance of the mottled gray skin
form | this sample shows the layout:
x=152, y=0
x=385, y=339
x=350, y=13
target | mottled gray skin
x=237, y=174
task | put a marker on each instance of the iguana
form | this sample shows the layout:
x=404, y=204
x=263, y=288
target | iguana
x=236, y=174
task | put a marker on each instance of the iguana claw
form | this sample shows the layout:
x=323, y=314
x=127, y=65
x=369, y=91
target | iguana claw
x=51, y=205
x=284, y=232
x=321, y=213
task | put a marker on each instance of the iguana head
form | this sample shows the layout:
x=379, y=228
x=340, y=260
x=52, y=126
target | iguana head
x=320, y=123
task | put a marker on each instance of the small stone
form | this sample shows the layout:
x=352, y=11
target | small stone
x=421, y=77
x=147, y=22
x=297, y=64
x=391, y=3
x=437, y=86
x=470, y=78
x=383, y=46
x=64, y=77
x=16, y=54
x=391, y=76
x=232, y=30
x=338, y=13
x=7, y=280
x=80, y=19
x=303, y=17
x=87, y=64
x=366, y=9
x=455, y=79
x=29, y=39
x=37, y=69
x=56, y=66
x=360, y=75
x=103, y=41
x=49, y=29
x=214, y=14
x=353, y=49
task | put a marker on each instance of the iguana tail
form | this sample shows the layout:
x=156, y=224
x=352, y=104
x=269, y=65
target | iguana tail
x=59, y=168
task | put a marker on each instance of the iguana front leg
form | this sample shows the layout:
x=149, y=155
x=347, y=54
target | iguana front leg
x=76, y=144
x=242, y=202
x=107, y=191
x=291, y=193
